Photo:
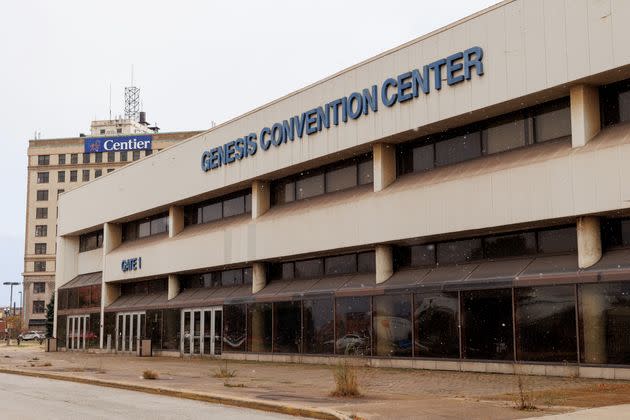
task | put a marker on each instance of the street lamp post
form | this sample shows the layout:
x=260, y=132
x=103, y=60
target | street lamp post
x=11, y=283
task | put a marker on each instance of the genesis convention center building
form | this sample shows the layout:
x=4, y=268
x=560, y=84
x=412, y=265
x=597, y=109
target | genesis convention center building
x=459, y=202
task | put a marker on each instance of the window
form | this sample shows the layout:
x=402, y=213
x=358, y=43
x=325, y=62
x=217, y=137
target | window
x=59, y=192
x=342, y=264
x=557, y=240
x=615, y=233
x=41, y=213
x=39, y=306
x=392, y=326
x=545, y=324
x=319, y=326
x=287, y=326
x=74, y=158
x=39, y=287
x=91, y=241
x=98, y=173
x=62, y=159
x=221, y=278
x=234, y=328
x=40, y=248
x=459, y=251
x=98, y=157
x=111, y=156
x=39, y=266
x=102, y=131
x=309, y=268
x=123, y=156
x=86, y=158
x=135, y=155
x=148, y=152
x=353, y=326
x=332, y=178
x=61, y=176
x=218, y=208
x=487, y=324
x=41, y=230
x=259, y=327
x=42, y=177
x=85, y=175
x=604, y=323
x=110, y=170
x=615, y=103
x=436, y=324
x=73, y=176
x=43, y=160
x=515, y=244
x=546, y=122
x=42, y=195
x=363, y=262
x=146, y=227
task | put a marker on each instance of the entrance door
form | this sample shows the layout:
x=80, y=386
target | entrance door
x=201, y=331
x=129, y=326
x=76, y=327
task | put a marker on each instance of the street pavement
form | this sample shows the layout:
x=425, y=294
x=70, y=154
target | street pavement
x=37, y=398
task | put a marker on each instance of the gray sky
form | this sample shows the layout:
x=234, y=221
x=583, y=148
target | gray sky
x=194, y=61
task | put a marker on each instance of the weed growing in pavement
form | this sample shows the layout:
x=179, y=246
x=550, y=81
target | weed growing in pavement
x=346, y=383
x=224, y=372
x=150, y=374
x=525, y=400
x=47, y=364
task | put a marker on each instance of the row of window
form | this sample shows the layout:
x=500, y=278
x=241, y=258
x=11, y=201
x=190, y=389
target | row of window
x=91, y=241
x=79, y=297
x=481, y=325
x=543, y=241
x=44, y=177
x=218, y=208
x=328, y=179
x=363, y=262
x=220, y=278
x=123, y=156
x=144, y=287
x=143, y=228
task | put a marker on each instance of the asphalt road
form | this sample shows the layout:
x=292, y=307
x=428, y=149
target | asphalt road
x=37, y=398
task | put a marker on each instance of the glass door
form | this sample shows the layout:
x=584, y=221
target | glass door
x=201, y=331
x=129, y=327
x=76, y=326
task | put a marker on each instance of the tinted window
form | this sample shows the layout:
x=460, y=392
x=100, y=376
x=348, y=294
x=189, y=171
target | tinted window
x=231, y=277
x=234, y=328
x=436, y=320
x=423, y=158
x=545, y=324
x=557, y=240
x=366, y=172
x=510, y=245
x=366, y=262
x=392, y=325
x=309, y=268
x=553, y=124
x=233, y=206
x=353, y=326
x=459, y=251
x=487, y=324
x=318, y=326
x=309, y=187
x=505, y=136
x=287, y=326
x=342, y=264
x=458, y=149
x=341, y=179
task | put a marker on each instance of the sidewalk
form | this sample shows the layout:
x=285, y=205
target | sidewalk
x=387, y=393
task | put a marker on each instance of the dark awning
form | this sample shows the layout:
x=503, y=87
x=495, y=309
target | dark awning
x=89, y=279
x=139, y=302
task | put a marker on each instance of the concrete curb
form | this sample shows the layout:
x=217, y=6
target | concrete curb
x=322, y=414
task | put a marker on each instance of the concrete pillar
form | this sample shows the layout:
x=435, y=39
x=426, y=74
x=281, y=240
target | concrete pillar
x=175, y=220
x=259, y=277
x=384, y=263
x=258, y=330
x=589, y=241
x=174, y=286
x=111, y=292
x=261, y=198
x=585, y=117
x=112, y=238
x=66, y=266
x=593, y=305
x=384, y=165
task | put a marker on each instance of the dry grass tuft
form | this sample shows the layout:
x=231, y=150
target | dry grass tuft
x=224, y=372
x=47, y=364
x=346, y=383
x=150, y=374
x=525, y=400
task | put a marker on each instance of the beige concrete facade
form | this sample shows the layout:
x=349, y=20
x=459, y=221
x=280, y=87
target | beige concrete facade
x=533, y=52
x=60, y=179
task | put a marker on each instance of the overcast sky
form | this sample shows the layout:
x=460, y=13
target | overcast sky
x=194, y=61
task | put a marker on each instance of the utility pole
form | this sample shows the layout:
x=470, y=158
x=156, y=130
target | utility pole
x=11, y=283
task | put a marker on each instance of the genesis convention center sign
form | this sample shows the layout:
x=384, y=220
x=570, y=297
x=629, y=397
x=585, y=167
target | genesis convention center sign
x=118, y=143
x=454, y=69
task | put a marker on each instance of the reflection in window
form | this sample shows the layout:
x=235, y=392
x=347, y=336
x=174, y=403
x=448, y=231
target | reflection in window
x=234, y=328
x=605, y=323
x=436, y=320
x=354, y=326
x=557, y=240
x=459, y=251
x=309, y=187
x=545, y=324
x=287, y=318
x=392, y=325
x=318, y=326
x=504, y=136
x=515, y=244
x=487, y=324
x=145, y=227
x=458, y=149
x=259, y=327
x=218, y=208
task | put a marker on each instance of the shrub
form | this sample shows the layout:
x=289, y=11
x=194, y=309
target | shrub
x=150, y=374
x=224, y=372
x=346, y=383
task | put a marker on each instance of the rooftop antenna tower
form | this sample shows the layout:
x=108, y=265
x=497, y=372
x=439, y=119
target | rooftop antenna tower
x=132, y=101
